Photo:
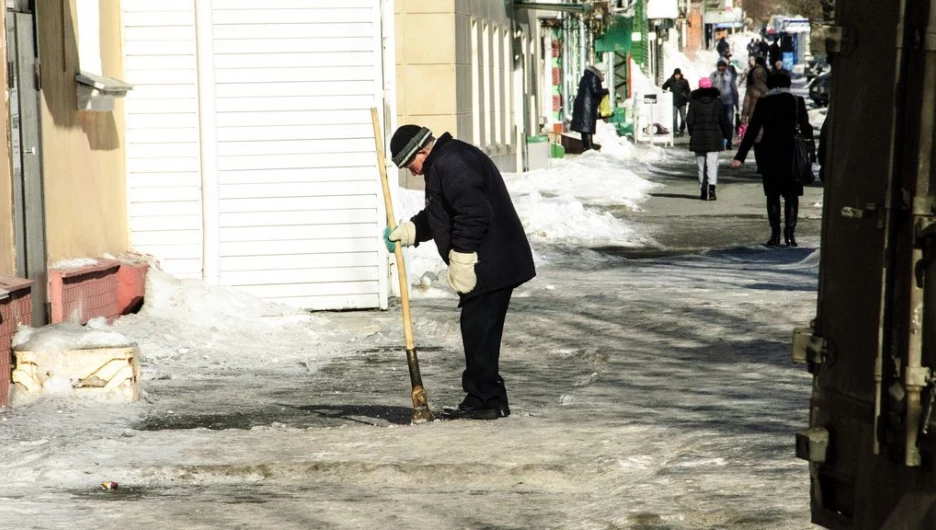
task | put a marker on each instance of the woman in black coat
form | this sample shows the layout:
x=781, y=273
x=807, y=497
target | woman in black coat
x=777, y=113
x=707, y=125
x=585, y=108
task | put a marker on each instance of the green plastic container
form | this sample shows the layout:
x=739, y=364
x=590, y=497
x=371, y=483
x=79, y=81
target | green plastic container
x=556, y=151
x=538, y=139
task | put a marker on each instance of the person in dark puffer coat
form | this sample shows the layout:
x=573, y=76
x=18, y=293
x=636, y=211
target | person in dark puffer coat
x=478, y=233
x=707, y=124
x=680, y=88
x=585, y=108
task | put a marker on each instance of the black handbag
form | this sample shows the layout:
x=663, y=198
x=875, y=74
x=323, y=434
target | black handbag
x=802, y=155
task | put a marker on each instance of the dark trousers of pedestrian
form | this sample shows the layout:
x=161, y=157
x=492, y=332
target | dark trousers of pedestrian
x=729, y=115
x=587, y=141
x=679, y=125
x=482, y=326
x=790, y=215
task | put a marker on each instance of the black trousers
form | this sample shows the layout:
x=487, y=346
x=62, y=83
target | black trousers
x=482, y=326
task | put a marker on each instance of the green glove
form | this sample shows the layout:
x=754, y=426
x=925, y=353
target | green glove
x=391, y=245
x=405, y=233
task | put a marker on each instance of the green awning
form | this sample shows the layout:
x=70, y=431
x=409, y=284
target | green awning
x=617, y=38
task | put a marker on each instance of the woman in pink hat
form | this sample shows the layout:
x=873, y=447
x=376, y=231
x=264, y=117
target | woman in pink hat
x=707, y=126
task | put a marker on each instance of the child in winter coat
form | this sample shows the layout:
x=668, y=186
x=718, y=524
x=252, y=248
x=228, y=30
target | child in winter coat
x=708, y=126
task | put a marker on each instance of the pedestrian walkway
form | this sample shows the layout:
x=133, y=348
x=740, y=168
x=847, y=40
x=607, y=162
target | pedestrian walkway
x=684, y=224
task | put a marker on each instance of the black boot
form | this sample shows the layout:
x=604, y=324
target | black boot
x=711, y=192
x=773, y=216
x=704, y=192
x=791, y=212
x=587, y=144
x=704, y=187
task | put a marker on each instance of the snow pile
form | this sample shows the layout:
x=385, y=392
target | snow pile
x=622, y=149
x=58, y=338
x=594, y=178
x=560, y=205
x=204, y=305
x=70, y=264
x=564, y=219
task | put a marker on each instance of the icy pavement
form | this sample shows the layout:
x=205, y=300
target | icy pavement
x=647, y=394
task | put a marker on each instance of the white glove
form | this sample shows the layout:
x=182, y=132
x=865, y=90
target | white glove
x=461, y=274
x=405, y=233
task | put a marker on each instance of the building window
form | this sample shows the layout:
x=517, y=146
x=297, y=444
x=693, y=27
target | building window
x=508, y=92
x=498, y=92
x=475, y=87
x=486, y=80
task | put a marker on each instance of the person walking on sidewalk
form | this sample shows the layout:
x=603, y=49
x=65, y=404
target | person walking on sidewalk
x=776, y=114
x=707, y=123
x=680, y=88
x=585, y=107
x=756, y=89
x=724, y=79
x=476, y=229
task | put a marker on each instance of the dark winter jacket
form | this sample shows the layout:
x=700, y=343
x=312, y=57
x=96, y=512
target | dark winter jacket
x=706, y=121
x=722, y=46
x=468, y=209
x=680, y=89
x=776, y=114
x=585, y=108
x=774, y=54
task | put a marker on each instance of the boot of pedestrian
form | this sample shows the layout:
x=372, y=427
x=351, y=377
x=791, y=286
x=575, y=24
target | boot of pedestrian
x=774, y=238
x=790, y=237
x=704, y=192
x=711, y=192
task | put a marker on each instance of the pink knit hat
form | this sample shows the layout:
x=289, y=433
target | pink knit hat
x=705, y=83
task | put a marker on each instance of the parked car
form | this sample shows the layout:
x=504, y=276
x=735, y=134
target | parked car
x=820, y=88
x=815, y=66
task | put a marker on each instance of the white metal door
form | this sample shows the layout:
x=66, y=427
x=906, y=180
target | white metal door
x=274, y=103
x=298, y=203
x=163, y=164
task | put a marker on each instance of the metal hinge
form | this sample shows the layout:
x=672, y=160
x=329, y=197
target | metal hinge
x=838, y=40
x=37, y=72
x=808, y=347
x=11, y=75
x=812, y=444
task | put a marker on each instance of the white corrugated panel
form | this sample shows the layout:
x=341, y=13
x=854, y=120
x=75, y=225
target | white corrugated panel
x=298, y=192
x=163, y=167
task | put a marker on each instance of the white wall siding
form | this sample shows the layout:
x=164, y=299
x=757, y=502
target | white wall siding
x=291, y=196
x=298, y=187
x=163, y=168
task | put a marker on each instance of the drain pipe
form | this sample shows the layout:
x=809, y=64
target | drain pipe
x=916, y=376
x=889, y=236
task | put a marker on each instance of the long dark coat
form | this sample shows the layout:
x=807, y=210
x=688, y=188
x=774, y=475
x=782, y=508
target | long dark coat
x=680, y=89
x=468, y=209
x=706, y=121
x=585, y=108
x=776, y=115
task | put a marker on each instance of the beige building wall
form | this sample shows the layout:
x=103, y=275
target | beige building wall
x=425, y=69
x=83, y=152
x=456, y=62
x=7, y=247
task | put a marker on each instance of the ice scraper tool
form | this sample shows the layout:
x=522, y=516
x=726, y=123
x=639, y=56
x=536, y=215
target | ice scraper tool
x=421, y=412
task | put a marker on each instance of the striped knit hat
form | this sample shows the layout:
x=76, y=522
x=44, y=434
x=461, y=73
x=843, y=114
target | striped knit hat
x=406, y=142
